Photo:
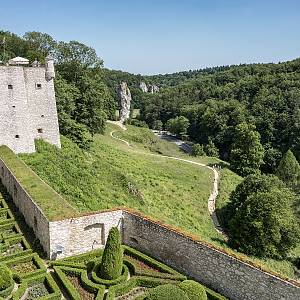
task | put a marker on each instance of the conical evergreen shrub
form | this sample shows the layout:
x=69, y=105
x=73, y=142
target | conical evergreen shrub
x=112, y=259
x=289, y=169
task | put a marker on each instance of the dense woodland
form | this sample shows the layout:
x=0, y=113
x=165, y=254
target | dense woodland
x=265, y=95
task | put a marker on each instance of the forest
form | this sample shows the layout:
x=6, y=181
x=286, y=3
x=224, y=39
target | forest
x=216, y=101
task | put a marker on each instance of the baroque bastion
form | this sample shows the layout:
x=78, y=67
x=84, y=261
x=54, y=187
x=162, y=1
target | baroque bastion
x=28, y=111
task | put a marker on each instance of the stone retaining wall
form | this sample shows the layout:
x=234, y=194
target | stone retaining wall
x=223, y=273
x=82, y=234
x=32, y=213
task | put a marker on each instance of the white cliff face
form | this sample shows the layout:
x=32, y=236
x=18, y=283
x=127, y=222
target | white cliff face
x=125, y=100
x=143, y=87
x=151, y=88
x=155, y=88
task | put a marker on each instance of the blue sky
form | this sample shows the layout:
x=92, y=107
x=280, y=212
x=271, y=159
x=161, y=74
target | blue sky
x=163, y=36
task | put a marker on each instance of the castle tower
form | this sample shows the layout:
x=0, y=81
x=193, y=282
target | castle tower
x=27, y=105
x=49, y=65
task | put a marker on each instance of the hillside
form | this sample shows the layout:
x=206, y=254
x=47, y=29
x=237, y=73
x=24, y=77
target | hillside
x=264, y=95
x=112, y=174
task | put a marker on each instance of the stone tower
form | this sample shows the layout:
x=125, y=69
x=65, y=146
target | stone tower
x=27, y=105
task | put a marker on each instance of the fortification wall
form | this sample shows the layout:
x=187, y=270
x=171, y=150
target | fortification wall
x=32, y=213
x=217, y=270
x=82, y=234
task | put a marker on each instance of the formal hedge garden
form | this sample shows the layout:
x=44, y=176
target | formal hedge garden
x=117, y=272
x=23, y=274
x=138, y=276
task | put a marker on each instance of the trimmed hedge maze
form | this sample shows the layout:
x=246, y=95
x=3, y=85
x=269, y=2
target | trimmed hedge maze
x=140, y=274
x=24, y=275
x=30, y=279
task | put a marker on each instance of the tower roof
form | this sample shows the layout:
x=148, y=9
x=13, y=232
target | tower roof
x=18, y=61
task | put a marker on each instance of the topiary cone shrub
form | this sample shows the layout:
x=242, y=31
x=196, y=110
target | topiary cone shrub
x=112, y=259
x=6, y=281
x=193, y=289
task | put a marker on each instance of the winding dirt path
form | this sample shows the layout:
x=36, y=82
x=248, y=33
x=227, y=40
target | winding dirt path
x=215, y=191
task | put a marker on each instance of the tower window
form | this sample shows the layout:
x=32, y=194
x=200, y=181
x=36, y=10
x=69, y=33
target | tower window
x=38, y=86
x=40, y=130
x=10, y=87
x=17, y=136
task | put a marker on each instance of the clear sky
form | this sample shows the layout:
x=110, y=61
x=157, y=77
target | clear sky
x=163, y=36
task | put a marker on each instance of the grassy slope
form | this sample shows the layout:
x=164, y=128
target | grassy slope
x=111, y=174
x=143, y=139
x=53, y=205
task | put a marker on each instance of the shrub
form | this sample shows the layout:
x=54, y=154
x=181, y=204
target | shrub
x=193, y=289
x=6, y=281
x=5, y=277
x=198, y=150
x=289, y=169
x=112, y=259
x=139, y=123
x=166, y=292
x=211, y=149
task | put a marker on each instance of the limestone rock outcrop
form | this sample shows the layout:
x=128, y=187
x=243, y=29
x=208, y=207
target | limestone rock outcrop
x=151, y=88
x=144, y=87
x=125, y=101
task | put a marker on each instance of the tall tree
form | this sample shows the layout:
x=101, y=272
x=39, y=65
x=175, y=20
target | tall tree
x=289, y=169
x=178, y=125
x=247, y=152
x=39, y=44
x=264, y=223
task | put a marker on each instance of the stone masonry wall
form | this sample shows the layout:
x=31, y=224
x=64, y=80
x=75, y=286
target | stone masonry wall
x=82, y=234
x=15, y=123
x=27, y=108
x=42, y=105
x=32, y=213
x=217, y=270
